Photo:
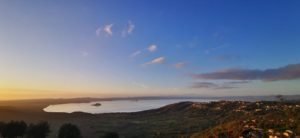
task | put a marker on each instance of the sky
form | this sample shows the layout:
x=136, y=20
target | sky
x=116, y=48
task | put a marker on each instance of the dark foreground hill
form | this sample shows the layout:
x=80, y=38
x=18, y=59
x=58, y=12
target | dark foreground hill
x=224, y=119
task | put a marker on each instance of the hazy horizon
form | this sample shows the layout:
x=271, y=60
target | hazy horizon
x=103, y=49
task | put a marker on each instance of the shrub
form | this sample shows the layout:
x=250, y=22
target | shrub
x=69, y=131
x=2, y=124
x=14, y=129
x=111, y=135
x=39, y=130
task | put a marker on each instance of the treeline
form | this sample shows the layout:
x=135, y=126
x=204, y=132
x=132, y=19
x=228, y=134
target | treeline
x=19, y=129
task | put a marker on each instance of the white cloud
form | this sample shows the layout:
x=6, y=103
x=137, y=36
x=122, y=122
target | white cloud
x=179, y=65
x=152, y=48
x=136, y=53
x=159, y=60
x=108, y=29
x=129, y=29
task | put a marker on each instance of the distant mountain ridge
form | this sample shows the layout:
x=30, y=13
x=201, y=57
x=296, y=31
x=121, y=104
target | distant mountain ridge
x=89, y=99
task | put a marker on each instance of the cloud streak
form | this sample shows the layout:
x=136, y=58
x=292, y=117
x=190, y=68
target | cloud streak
x=98, y=31
x=238, y=82
x=159, y=60
x=136, y=53
x=210, y=85
x=129, y=29
x=180, y=65
x=289, y=72
x=203, y=85
x=151, y=48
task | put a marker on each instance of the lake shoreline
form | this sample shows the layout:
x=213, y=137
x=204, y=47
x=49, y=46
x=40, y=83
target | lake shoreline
x=118, y=106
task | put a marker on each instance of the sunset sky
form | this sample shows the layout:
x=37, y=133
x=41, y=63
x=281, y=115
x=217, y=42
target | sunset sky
x=118, y=48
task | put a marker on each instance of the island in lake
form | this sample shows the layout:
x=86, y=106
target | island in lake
x=96, y=104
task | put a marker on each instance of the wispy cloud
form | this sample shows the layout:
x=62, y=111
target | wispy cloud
x=152, y=48
x=225, y=87
x=210, y=85
x=159, y=60
x=289, y=72
x=238, y=82
x=203, y=85
x=136, y=53
x=98, y=31
x=128, y=30
x=180, y=65
x=107, y=30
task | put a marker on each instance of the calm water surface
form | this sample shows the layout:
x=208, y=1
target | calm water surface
x=116, y=105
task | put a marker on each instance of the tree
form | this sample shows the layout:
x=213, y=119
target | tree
x=14, y=129
x=39, y=130
x=2, y=124
x=69, y=131
x=111, y=135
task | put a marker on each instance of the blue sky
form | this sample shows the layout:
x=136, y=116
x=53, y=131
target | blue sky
x=149, y=48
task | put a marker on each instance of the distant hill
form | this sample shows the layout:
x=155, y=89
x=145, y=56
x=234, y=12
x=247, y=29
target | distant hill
x=89, y=99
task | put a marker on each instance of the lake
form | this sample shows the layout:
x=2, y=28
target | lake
x=116, y=106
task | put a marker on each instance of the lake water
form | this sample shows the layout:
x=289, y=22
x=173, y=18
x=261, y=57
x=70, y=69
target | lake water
x=116, y=105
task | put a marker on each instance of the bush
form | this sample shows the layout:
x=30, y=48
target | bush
x=2, y=124
x=69, y=131
x=39, y=130
x=111, y=135
x=14, y=129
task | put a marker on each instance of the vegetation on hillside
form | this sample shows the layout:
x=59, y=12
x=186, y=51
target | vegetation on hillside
x=221, y=119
